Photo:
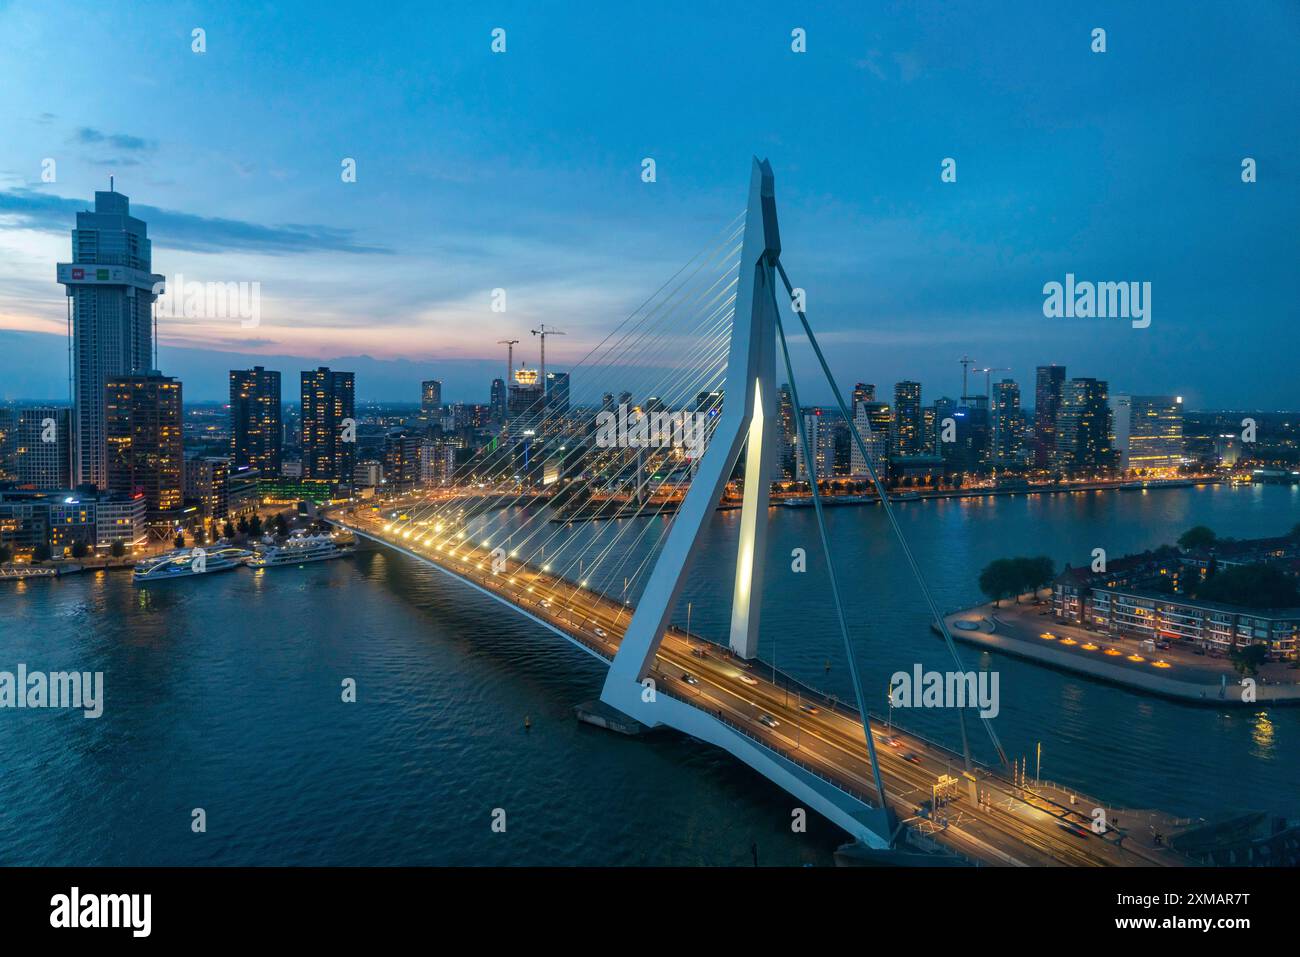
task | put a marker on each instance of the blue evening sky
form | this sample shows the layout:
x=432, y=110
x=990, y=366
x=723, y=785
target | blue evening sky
x=522, y=170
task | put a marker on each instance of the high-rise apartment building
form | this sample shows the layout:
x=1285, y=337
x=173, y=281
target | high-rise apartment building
x=143, y=436
x=328, y=424
x=402, y=461
x=430, y=396
x=862, y=392
x=111, y=290
x=1083, y=426
x=789, y=432
x=1007, y=423
x=908, y=436
x=41, y=447
x=874, y=421
x=498, y=402
x=1048, y=388
x=255, y=430
x=821, y=438
x=557, y=393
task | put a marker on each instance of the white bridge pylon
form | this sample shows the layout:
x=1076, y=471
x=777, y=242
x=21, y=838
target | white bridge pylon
x=749, y=421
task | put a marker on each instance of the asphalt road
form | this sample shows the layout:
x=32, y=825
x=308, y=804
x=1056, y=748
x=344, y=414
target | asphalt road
x=1007, y=825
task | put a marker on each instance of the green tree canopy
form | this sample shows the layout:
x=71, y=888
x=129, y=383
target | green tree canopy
x=1012, y=577
x=1198, y=536
x=1248, y=658
x=117, y=550
x=1254, y=586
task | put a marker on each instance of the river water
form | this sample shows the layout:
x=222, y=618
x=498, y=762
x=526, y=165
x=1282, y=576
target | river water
x=224, y=693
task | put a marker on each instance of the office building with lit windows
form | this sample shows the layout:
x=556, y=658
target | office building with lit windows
x=1148, y=432
x=255, y=430
x=328, y=424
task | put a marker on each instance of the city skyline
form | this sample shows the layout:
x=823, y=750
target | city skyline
x=910, y=479
x=401, y=269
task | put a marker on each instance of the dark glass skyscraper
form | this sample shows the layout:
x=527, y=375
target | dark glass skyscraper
x=1083, y=426
x=557, y=393
x=430, y=396
x=1047, y=404
x=255, y=432
x=328, y=451
x=111, y=291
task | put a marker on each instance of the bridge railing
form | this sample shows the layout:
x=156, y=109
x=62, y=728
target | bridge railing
x=835, y=705
x=777, y=752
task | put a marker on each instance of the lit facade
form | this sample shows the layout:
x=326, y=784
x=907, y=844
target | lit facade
x=111, y=290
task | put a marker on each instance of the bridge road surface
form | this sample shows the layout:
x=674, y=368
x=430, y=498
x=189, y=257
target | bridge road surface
x=1010, y=826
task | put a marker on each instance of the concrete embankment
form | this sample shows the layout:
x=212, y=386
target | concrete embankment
x=975, y=627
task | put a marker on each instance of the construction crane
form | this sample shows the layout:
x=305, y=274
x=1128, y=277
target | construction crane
x=988, y=384
x=544, y=332
x=966, y=363
x=510, y=357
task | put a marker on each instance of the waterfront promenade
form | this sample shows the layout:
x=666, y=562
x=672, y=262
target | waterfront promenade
x=1176, y=673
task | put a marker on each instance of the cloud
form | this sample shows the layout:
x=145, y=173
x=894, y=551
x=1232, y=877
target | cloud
x=121, y=141
x=177, y=230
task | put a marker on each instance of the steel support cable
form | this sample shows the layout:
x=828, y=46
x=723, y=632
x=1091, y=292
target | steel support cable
x=635, y=335
x=710, y=378
x=720, y=324
x=717, y=378
x=730, y=233
x=893, y=521
x=810, y=460
x=719, y=345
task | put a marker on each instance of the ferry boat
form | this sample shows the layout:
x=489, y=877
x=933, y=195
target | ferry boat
x=184, y=562
x=298, y=548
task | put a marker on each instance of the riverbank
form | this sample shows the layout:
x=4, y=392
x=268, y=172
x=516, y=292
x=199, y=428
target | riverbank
x=1010, y=491
x=1177, y=674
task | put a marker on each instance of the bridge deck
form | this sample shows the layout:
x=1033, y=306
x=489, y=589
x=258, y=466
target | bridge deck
x=1009, y=825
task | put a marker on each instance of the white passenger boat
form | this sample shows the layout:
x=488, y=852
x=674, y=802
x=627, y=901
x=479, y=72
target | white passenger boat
x=185, y=562
x=299, y=548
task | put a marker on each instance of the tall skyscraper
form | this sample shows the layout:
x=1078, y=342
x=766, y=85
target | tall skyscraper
x=557, y=393
x=789, y=432
x=821, y=438
x=430, y=396
x=874, y=421
x=908, y=435
x=498, y=402
x=1147, y=432
x=255, y=431
x=143, y=436
x=862, y=392
x=1007, y=424
x=42, y=453
x=944, y=409
x=328, y=399
x=526, y=401
x=1047, y=404
x=1083, y=426
x=402, y=460
x=111, y=290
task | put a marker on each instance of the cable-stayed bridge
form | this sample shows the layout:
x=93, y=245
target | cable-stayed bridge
x=571, y=514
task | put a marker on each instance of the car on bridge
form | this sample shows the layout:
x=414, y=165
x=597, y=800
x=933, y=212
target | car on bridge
x=768, y=721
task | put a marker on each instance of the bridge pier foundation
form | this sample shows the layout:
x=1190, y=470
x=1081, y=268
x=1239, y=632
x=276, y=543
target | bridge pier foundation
x=601, y=715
